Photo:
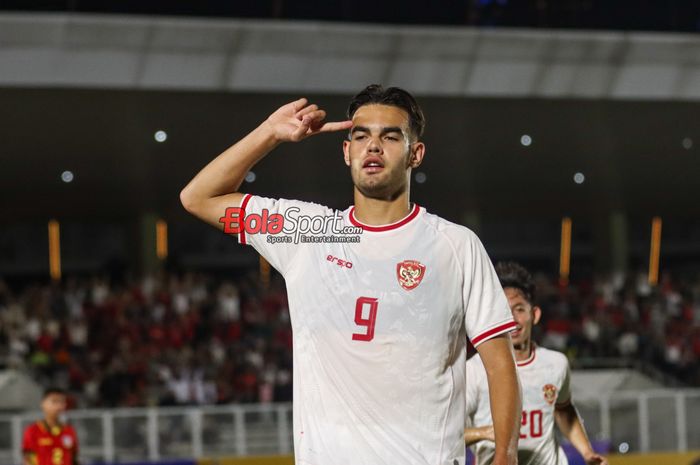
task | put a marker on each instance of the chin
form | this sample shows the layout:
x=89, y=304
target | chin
x=375, y=189
x=374, y=192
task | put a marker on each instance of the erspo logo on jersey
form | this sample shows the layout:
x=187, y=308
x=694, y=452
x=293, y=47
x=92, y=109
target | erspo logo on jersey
x=339, y=261
x=290, y=226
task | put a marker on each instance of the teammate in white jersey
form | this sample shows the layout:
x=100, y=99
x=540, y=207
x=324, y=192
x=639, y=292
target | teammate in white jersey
x=546, y=394
x=379, y=325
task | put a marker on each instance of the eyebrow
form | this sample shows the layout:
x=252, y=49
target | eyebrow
x=384, y=131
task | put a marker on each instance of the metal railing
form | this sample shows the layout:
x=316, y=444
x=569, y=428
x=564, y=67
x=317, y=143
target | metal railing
x=656, y=420
x=659, y=420
x=161, y=433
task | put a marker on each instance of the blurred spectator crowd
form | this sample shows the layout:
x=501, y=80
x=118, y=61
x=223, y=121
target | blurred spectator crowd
x=187, y=339
x=623, y=321
x=165, y=340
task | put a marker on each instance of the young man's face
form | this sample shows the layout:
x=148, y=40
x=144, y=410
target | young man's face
x=524, y=314
x=381, y=151
x=53, y=405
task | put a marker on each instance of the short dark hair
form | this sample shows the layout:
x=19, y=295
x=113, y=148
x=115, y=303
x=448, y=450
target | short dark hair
x=512, y=274
x=394, y=96
x=53, y=390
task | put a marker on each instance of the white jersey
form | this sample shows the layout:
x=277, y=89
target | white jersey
x=544, y=377
x=379, y=333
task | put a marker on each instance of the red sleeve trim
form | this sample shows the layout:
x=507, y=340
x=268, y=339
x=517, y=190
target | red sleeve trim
x=493, y=332
x=244, y=204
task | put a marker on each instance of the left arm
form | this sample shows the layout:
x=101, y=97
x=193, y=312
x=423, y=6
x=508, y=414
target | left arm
x=479, y=433
x=571, y=426
x=75, y=448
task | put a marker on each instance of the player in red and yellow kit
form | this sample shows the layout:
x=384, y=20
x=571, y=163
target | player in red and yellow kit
x=48, y=441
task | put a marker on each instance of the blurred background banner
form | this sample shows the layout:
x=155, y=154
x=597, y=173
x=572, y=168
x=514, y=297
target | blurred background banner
x=565, y=133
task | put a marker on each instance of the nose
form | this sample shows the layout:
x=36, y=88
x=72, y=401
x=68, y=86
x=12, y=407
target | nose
x=374, y=146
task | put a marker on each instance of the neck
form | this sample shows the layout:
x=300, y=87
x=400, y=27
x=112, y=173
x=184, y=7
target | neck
x=523, y=351
x=377, y=212
x=52, y=421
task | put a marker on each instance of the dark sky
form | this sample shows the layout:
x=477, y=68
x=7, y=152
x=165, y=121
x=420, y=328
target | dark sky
x=651, y=15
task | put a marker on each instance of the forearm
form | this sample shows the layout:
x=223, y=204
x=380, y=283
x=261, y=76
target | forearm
x=504, y=392
x=474, y=435
x=225, y=174
x=572, y=428
x=506, y=412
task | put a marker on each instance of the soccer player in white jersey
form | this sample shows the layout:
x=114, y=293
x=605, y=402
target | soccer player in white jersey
x=546, y=394
x=379, y=325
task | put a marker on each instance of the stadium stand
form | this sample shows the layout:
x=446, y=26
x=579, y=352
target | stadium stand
x=170, y=339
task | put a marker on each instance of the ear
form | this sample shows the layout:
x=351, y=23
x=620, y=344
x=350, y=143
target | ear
x=346, y=152
x=536, y=314
x=417, y=154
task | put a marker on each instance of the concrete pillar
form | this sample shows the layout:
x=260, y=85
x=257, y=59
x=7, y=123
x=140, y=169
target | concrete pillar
x=148, y=262
x=610, y=242
x=619, y=242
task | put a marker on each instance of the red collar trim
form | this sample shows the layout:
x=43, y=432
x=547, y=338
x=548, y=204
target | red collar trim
x=529, y=360
x=386, y=227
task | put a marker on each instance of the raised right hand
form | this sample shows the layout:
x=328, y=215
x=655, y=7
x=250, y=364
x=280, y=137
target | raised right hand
x=298, y=120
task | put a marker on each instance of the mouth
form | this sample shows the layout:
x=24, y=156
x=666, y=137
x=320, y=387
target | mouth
x=516, y=332
x=372, y=165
